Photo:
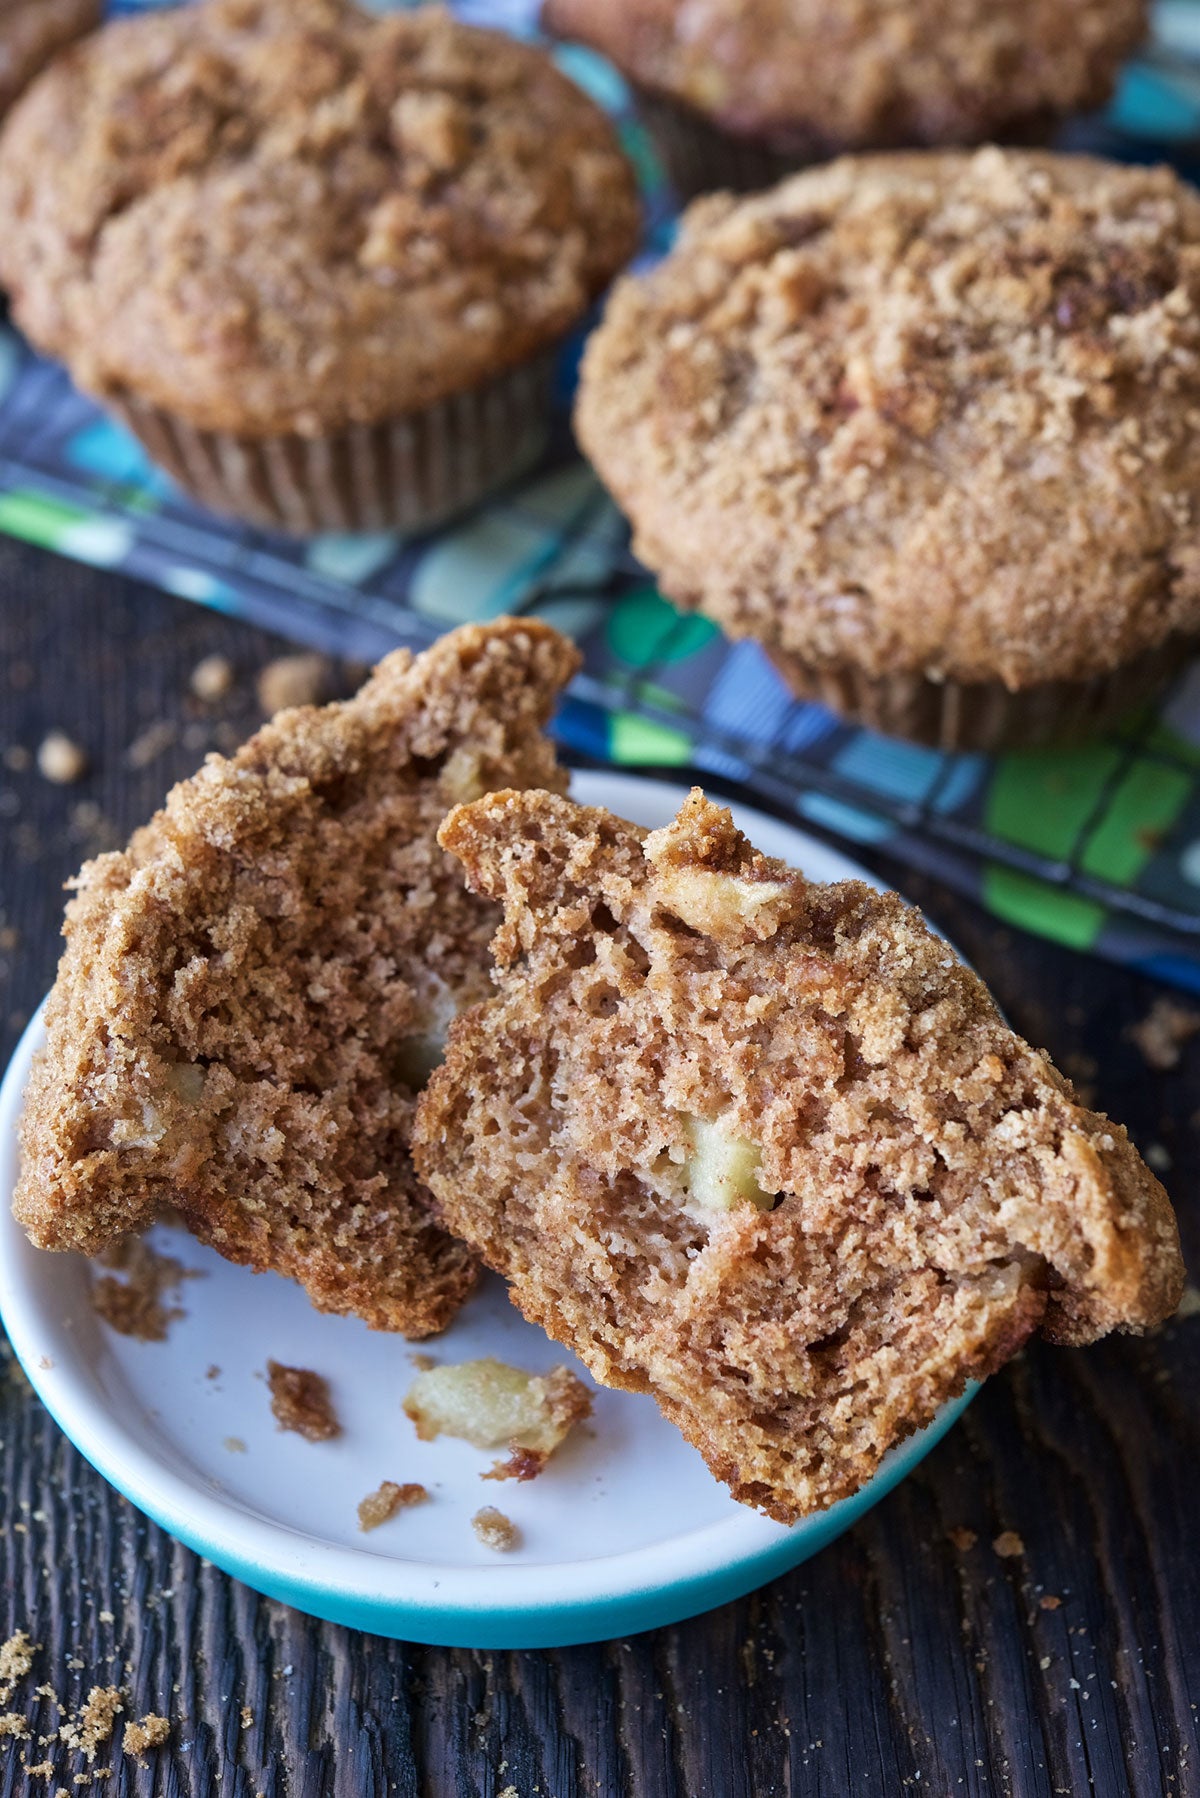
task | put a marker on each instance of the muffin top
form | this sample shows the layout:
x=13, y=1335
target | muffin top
x=864, y=74
x=31, y=31
x=288, y=215
x=930, y=412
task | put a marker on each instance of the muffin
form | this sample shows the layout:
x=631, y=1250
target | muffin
x=253, y=992
x=741, y=92
x=319, y=261
x=925, y=426
x=31, y=32
x=765, y=1149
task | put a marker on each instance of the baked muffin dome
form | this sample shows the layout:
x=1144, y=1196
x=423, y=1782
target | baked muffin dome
x=31, y=32
x=929, y=416
x=864, y=74
x=290, y=215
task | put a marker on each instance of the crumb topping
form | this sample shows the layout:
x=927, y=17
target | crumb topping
x=937, y=1193
x=876, y=75
x=925, y=414
x=292, y=215
x=301, y=1401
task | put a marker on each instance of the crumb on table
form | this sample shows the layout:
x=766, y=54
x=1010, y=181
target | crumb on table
x=300, y=1401
x=293, y=680
x=211, y=678
x=151, y=1732
x=495, y=1530
x=16, y=1659
x=378, y=1506
x=1008, y=1545
x=60, y=759
x=1163, y=1032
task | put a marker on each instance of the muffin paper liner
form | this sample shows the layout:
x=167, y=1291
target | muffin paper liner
x=700, y=157
x=406, y=474
x=985, y=715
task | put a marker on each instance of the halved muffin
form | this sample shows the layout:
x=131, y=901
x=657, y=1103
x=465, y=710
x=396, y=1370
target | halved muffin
x=253, y=992
x=764, y=1148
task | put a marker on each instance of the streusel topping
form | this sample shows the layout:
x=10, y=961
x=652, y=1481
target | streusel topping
x=865, y=74
x=289, y=215
x=932, y=412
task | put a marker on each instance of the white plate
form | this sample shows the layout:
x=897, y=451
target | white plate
x=625, y=1530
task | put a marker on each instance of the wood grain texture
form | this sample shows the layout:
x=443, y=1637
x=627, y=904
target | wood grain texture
x=899, y=1660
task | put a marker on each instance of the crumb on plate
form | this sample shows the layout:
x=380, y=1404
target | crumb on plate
x=378, y=1506
x=300, y=1401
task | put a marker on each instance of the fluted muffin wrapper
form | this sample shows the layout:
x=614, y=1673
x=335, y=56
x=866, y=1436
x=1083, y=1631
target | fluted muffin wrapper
x=405, y=474
x=987, y=716
x=700, y=156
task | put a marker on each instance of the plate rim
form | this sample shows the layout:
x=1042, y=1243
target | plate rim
x=510, y=1605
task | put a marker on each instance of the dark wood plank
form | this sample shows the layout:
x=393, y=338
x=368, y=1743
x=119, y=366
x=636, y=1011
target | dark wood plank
x=900, y=1660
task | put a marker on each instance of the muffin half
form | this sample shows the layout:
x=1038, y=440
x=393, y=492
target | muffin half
x=765, y=1149
x=253, y=992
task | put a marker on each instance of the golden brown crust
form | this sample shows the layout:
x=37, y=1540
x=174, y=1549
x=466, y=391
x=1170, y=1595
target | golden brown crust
x=919, y=413
x=33, y=31
x=937, y=1191
x=866, y=74
x=252, y=992
x=274, y=216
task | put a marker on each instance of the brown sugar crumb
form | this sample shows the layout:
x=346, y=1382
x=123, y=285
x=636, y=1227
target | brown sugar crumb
x=12, y=1723
x=495, y=1530
x=963, y=1539
x=92, y=1726
x=212, y=678
x=1163, y=1032
x=60, y=759
x=1008, y=1545
x=301, y=1402
x=378, y=1506
x=133, y=1305
x=1048, y=1602
x=493, y=1405
x=151, y=1732
x=16, y=1659
x=247, y=1717
x=212, y=1372
x=293, y=680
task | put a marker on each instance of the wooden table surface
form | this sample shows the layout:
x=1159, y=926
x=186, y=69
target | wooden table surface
x=910, y=1655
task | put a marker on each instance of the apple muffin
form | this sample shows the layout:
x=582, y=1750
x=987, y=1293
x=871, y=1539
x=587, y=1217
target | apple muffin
x=321, y=261
x=740, y=92
x=765, y=1148
x=924, y=426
